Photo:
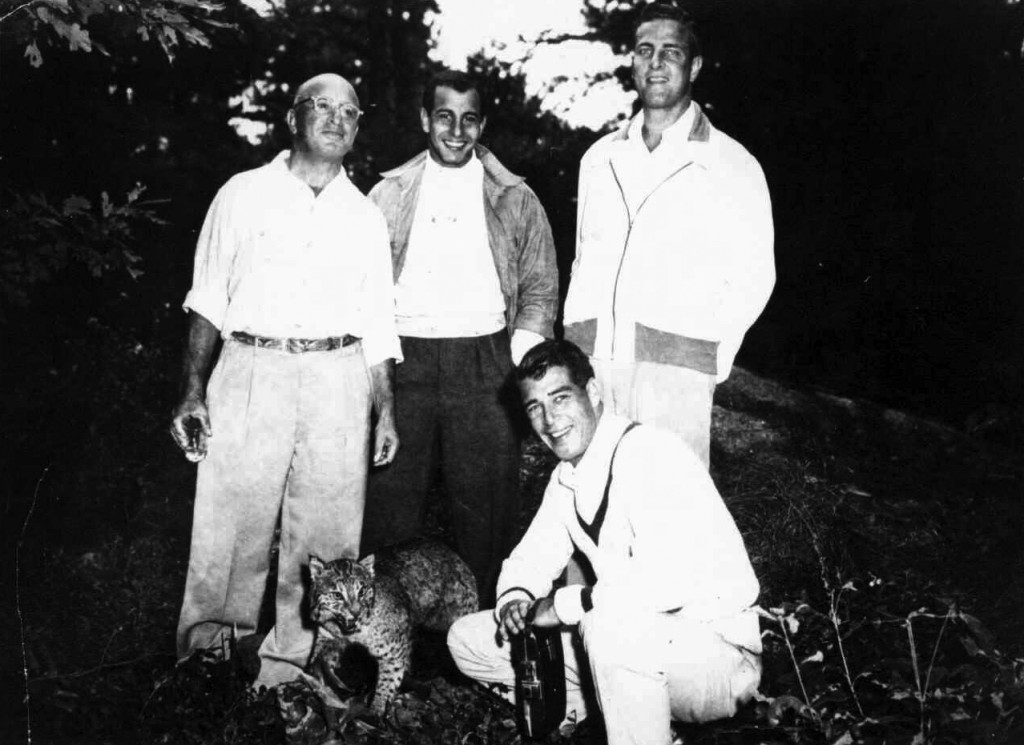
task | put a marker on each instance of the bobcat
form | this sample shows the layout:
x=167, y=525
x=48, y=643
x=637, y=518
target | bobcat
x=378, y=601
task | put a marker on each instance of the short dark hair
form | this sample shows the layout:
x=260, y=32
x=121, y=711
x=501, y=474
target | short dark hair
x=551, y=353
x=458, y=81
x=667, y=11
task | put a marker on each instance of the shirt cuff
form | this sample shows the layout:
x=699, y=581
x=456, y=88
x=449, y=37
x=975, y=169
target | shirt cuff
x=569, y=604
x=523, y=340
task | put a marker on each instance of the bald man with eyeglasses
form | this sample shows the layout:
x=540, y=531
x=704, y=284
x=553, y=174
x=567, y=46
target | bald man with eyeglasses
x=293, y=276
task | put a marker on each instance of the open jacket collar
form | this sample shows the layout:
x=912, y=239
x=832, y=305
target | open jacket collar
x=400, y=194
x=670, y=158
x=699, y=132
x=496, y=177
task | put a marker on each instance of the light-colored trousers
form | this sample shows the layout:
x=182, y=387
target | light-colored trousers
x=674, y=398
x=290, y=442
x=647, y=669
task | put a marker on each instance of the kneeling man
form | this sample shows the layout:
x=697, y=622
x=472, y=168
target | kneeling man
x=667, y=627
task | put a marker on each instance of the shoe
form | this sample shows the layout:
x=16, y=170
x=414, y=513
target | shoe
x=568, y=726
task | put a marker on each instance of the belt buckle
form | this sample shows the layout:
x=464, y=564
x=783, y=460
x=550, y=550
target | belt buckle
x=296, y=346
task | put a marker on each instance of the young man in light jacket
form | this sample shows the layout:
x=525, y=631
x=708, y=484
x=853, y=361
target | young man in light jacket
x=674, y=244
x=476, y=285
x=668, y=626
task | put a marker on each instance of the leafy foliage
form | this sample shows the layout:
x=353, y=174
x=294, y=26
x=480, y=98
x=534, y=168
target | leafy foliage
x=850, y=531
x=868, y=671
x=44, y=239
x=858, y=648
x=170, y=23
x=436, y=711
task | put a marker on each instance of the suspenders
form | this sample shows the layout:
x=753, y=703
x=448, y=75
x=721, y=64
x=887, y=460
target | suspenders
x=593, y=528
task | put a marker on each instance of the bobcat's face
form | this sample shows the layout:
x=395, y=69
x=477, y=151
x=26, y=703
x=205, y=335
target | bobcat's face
x=341, y=593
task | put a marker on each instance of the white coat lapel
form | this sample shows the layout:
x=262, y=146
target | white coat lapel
x=640, y=173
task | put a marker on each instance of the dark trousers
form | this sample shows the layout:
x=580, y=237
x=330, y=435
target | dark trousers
x=456, y=415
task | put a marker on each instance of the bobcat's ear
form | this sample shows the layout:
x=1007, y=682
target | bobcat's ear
x=316, y=565
x=367, y=563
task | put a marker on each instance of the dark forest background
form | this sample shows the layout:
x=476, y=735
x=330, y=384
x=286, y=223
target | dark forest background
x=892, y=136
x=891, y=133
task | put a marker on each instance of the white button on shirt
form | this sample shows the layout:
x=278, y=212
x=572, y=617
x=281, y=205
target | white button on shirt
x=274, y=259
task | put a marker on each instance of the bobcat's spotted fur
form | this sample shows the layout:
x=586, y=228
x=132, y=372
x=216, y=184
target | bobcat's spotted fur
x=378, y=601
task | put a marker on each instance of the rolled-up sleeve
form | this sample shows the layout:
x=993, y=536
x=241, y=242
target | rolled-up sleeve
x=215, y=252
x=380, y=337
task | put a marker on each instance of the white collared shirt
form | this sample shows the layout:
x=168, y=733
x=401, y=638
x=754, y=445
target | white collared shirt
x=449, y=286
x=274, y=259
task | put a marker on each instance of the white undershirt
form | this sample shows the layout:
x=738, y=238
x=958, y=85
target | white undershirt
x=449, y=286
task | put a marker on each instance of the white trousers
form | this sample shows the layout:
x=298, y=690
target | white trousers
x=647, y=670
x=291, y=445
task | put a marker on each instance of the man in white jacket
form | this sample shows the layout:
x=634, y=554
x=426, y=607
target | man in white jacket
x=674, y=244
x=667, y=626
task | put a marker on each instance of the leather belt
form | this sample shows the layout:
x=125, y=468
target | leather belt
x=295, y=346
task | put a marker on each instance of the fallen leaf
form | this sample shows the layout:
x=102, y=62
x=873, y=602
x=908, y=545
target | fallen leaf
x=78, y=38
x=792, y=623
x=35, y=58
x=75, y=205
x=785, y=704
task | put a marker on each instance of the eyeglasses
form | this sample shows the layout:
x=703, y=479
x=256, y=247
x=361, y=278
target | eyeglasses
x=325, y=106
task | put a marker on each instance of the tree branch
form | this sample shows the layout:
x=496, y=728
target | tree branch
x=548, y=38
x=17, y=601
x=7, y=15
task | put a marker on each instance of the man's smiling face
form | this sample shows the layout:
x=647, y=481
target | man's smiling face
x=663, y=68
x=563, y=414
x=453, y=126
